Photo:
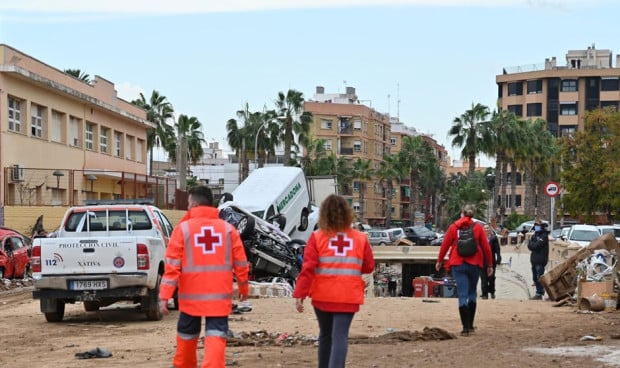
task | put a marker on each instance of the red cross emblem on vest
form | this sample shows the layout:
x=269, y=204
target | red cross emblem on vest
x=207, y=239
x=340, y=244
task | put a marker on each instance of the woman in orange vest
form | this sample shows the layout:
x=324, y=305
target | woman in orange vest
x=335, y=258
x=201, y=257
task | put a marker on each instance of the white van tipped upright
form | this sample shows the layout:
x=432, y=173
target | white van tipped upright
x=271, y=191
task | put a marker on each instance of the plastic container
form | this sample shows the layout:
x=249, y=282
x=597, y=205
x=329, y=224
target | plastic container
x=610, y=300
x=592, y=303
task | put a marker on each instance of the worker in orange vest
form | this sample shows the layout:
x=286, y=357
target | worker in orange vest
x=335, y=258
x=201, y=256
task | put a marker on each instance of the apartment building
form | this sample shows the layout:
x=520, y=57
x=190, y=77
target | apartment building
x=353, y=130
x=402, y=198
x=560, y=94
x=64, y=140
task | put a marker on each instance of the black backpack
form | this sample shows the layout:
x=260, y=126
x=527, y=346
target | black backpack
x=466, y=244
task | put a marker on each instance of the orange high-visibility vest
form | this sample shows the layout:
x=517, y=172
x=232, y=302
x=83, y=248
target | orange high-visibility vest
x=207, y=251
x=338, y=274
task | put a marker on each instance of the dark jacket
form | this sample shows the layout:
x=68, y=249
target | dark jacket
x=539, y=246
x=495, y=251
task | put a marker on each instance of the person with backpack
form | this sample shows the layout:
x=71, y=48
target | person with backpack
x=469, y=248
x=487, y=282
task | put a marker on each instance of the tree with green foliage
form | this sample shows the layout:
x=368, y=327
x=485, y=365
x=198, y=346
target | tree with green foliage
x=187, y=148
x=362, y=172
x=590, y=174
x=471, y=133
x=158, y=111
x=79, y=75
x=290, y=107
x=390, y=169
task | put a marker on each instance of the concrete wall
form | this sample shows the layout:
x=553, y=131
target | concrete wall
x=23, y=218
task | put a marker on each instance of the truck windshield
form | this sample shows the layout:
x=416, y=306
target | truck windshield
x=103, y=220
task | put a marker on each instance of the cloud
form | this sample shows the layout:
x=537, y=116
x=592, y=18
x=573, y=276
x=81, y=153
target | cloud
x=160, y=7
x=128, y=91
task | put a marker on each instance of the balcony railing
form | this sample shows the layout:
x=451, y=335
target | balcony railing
x=346, y=151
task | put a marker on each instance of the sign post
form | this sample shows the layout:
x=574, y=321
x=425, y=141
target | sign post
x=552, y=189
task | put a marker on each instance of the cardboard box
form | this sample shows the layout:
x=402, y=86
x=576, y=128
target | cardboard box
x=589, y=288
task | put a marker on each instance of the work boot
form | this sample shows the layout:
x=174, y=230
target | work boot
x=471, y=306
x=464, y=313
x=492, y=295
x=484, y=296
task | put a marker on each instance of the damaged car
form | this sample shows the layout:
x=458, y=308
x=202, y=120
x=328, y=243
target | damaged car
x=270, y=252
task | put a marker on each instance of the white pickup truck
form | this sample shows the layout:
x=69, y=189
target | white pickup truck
x=102, y=254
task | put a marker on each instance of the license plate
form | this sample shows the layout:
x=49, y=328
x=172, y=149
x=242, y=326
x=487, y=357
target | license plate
x=89, y=284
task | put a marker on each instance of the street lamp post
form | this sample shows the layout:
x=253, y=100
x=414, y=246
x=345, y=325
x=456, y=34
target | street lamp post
x=256, y=146
x=58, y=174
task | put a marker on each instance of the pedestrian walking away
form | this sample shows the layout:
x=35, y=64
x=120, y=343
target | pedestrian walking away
x=539, y=256
x=465, y=268
x=335, y=258
x=487, y=282
x=202, y=255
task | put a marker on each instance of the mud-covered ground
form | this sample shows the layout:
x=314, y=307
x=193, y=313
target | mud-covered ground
x=387, y=332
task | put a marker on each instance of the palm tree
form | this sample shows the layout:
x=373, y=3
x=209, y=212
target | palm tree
x=314, y=152
x=79, y=75
x=293, y=118
x=158, y=111
x=471, y=135
x=362, y=172
x=239, y=137
x=189, y=148
x=505, y=141
x=415, y=154
x=390, y=169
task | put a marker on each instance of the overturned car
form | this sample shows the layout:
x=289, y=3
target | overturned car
x=270, y=252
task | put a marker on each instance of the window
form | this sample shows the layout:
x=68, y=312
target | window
x=613, y=104
x=89, y=135
x=118, y=144
x=327, y=145
x=610, y=84
x=103, y=139
x=515, y=89
x=356, y=186
x=534, y=86
x=567, y=130
x=139, y=148
x=357, y=124
x=15, y=114
x=74, y=131
x=534, y=109
x=393, y=141
x=56, y=130
x=326, y=124
x=356, y=206
x=568, y=85
x=568, y=108
x=516, y=109
x=129, y=142
x=37, y=113
x=357, y=146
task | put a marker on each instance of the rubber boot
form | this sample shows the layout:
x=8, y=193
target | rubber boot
x=215, y=352
x=464, y=313
x=472, y=314
x=185, y=356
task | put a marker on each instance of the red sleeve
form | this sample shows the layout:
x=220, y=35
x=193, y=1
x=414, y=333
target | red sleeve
x=447, y=243
x=240, y=262
x=369, y=259
x=311, y=260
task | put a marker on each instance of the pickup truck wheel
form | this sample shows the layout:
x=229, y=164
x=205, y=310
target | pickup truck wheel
x=246, y=227
x=150, y=304
x=91, y=306
x=303, y=223
x=58, y=314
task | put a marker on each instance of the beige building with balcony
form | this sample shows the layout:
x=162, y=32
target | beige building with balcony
x=560, y=94
x=63, y=140
x=353, y=130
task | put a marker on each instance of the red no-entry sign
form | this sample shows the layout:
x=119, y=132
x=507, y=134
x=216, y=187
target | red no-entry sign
x=552, y=189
